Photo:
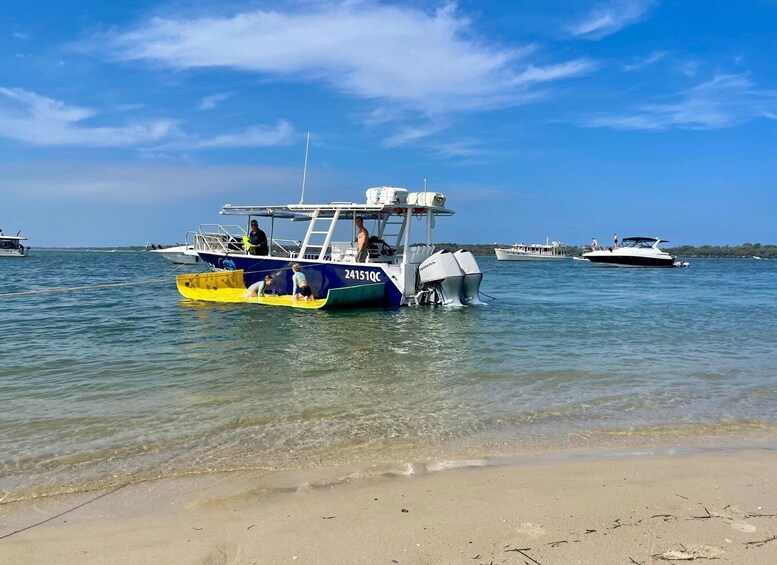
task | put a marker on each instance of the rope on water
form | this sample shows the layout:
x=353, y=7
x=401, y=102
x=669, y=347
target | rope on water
x=117, y=285
x=86, y=287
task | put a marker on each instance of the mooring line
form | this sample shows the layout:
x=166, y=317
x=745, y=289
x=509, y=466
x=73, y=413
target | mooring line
x=74, y=288
x=117, y=285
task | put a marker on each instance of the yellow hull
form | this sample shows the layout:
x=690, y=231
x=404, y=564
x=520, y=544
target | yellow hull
x=229, y=286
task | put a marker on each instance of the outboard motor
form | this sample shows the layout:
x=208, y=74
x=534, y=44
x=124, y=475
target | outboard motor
x=440, y=279
x=470, y=289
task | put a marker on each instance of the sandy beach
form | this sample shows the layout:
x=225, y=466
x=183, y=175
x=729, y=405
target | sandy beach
x=595, y=509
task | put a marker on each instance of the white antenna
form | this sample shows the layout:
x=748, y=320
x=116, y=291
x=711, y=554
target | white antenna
x=424, y=185
x=305, y=170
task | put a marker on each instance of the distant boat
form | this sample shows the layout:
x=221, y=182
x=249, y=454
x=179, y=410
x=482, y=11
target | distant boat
x=757, y=257
x=11, y=246
x=535, y=252
x=179, y=254
x=634, y=252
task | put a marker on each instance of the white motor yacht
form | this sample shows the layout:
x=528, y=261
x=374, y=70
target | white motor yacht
x=11, y=246
x=634, y=252
x=535, y=252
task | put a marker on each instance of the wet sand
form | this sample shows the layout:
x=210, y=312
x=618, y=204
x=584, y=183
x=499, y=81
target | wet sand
x=600, y=509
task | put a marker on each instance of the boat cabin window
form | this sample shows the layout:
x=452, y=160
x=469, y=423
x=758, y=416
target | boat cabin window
x=9, y=244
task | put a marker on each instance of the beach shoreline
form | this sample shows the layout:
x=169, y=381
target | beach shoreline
x=607, y=507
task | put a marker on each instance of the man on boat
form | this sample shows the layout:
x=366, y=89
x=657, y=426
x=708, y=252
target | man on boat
x=362, y=238
x=256, y=240
x=615, y=240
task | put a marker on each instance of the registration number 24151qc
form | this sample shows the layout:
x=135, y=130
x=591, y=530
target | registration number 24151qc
x=373, y=276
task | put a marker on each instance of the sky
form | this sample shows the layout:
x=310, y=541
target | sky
x=132, y=122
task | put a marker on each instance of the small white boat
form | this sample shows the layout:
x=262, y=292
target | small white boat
x=178, y=254
x=11, y=246
x=634, y=252
x=552, y=251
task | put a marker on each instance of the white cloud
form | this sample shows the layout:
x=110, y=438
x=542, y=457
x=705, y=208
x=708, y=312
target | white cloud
x=638, y=64
x=210, y=102
x=465, y=148
x=31, y=118
x=20, y=35
x=689, y=68
x=408, y=134
x=28, y=117
x=608, y=18
x=724, y=101
x=393, y=55
x=281, y=133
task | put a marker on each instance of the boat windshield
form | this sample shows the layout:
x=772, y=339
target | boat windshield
x=638, y=242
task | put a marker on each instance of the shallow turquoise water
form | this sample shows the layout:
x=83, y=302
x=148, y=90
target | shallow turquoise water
x=133, y=382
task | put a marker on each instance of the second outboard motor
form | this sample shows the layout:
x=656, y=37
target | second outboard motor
x=440, y=279
x=470, y=289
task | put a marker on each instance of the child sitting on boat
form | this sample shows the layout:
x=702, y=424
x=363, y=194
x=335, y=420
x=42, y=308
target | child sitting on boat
x=258, y=288
x=302, y=290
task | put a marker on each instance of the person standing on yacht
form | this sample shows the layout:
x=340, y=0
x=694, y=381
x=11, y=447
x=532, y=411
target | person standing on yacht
x=615, y=241
x=594, y=244
x=256, y=240
x=362, y=239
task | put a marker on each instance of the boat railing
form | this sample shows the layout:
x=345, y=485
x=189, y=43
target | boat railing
x=217, y=238
x=287, y=247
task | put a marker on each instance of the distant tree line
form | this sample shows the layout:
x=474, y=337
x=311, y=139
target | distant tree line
x=765, y=251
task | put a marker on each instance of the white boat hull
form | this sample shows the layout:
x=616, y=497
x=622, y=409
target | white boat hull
x=630, y=258
x=179, y=255
x=14, y=253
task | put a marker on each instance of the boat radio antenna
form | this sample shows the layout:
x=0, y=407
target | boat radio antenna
x=305, y=170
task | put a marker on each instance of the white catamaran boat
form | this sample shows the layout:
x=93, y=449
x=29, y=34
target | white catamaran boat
x=634, y=252
x=11, y=246
x=552, y=251
x=411, y=272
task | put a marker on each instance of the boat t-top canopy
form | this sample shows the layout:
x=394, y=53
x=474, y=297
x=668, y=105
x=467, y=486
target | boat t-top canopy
x=13, y=237
x=392, y=221
x=340, y=209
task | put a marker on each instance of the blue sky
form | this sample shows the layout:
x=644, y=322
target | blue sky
x=122, y=124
